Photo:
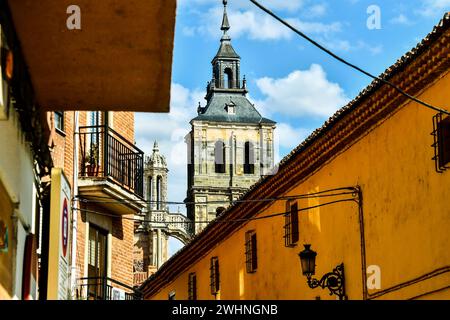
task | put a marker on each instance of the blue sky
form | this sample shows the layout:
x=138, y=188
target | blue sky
x=289, y=80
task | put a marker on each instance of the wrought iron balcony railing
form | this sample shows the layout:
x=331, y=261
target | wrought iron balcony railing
x=102, y=288
x=104, y=153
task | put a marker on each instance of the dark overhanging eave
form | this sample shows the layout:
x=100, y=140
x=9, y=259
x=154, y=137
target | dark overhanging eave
x=120, y=60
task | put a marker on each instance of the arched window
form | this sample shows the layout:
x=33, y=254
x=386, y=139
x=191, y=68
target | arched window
x=158, y=193
x=249, y=161
x=219, y=156
x=228, y=78
x=149, y=191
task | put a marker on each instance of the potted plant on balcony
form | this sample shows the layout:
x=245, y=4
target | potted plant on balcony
x=91, y=160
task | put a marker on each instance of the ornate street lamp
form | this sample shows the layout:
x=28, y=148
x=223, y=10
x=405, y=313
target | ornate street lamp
x=334, y=281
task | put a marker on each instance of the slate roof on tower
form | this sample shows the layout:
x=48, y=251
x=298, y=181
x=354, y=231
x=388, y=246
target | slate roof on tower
x=226, y=50
x=216, y=110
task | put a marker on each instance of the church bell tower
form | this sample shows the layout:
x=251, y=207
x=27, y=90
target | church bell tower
x=230, y=145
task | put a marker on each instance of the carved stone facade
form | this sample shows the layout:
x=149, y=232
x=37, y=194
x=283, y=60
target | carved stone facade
x=157, y=223
x=230, y=145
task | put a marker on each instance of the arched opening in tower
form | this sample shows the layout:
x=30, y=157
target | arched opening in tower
x=219, y=157
x=158, y=193
x=228, y=78
x=249, y=161
x=149, y=191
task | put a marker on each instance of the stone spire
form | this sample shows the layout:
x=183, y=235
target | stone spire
x=156, y=160
x=225, y=24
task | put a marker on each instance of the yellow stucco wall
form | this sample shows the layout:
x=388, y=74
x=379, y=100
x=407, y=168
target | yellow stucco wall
x=406, y=218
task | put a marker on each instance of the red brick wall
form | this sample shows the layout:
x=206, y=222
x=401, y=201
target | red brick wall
x=122, y=250
x=122, y=230
x=81, y=238
x=123, y=123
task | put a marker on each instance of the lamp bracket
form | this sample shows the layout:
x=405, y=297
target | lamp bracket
x=334, y=281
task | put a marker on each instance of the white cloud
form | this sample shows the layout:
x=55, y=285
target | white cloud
x=347, y=46
x=291, y=5
x=290, y=137
x=317, y=10
x=431, y=8
x=401, y=19
x=256, y=25
x=301, y=93
x=283, y=5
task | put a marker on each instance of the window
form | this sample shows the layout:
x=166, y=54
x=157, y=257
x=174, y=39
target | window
x=228, y=78
x=192, y=287
x=97, y=259
x=93, y=123
x=219, y=211
x=97, y=252
x=214, y=275
x=291, y=236
x=94, y=138
x=110, y=116
x=59, y=120
x=231, y=109
x=249, y=161
x=158, y=192
x=441, y=134
x=149, y=189
x=219, y=157
x=250, y=252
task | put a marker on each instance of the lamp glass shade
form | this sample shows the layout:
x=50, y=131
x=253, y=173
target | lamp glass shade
x=308, y=260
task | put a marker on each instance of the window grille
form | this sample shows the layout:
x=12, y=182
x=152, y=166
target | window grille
x=291, y=235
x=251, y=260
x=192, y=286
x=441, y=143
x=215, y=275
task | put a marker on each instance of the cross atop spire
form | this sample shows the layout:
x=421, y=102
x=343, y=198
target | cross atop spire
x=225, y=24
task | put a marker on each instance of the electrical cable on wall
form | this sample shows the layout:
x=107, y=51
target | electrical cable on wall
x=320, y=194
x=273, y=215
x=335, y=56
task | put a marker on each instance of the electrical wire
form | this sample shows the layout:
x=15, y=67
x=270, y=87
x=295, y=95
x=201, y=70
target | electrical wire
x=335, y=56
x=217, y=220
x=320, y=194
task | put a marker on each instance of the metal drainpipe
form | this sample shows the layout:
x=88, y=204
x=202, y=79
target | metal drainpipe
x=73, y=272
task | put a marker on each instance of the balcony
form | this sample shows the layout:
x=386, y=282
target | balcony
x=110, y=168
x=102, y=288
